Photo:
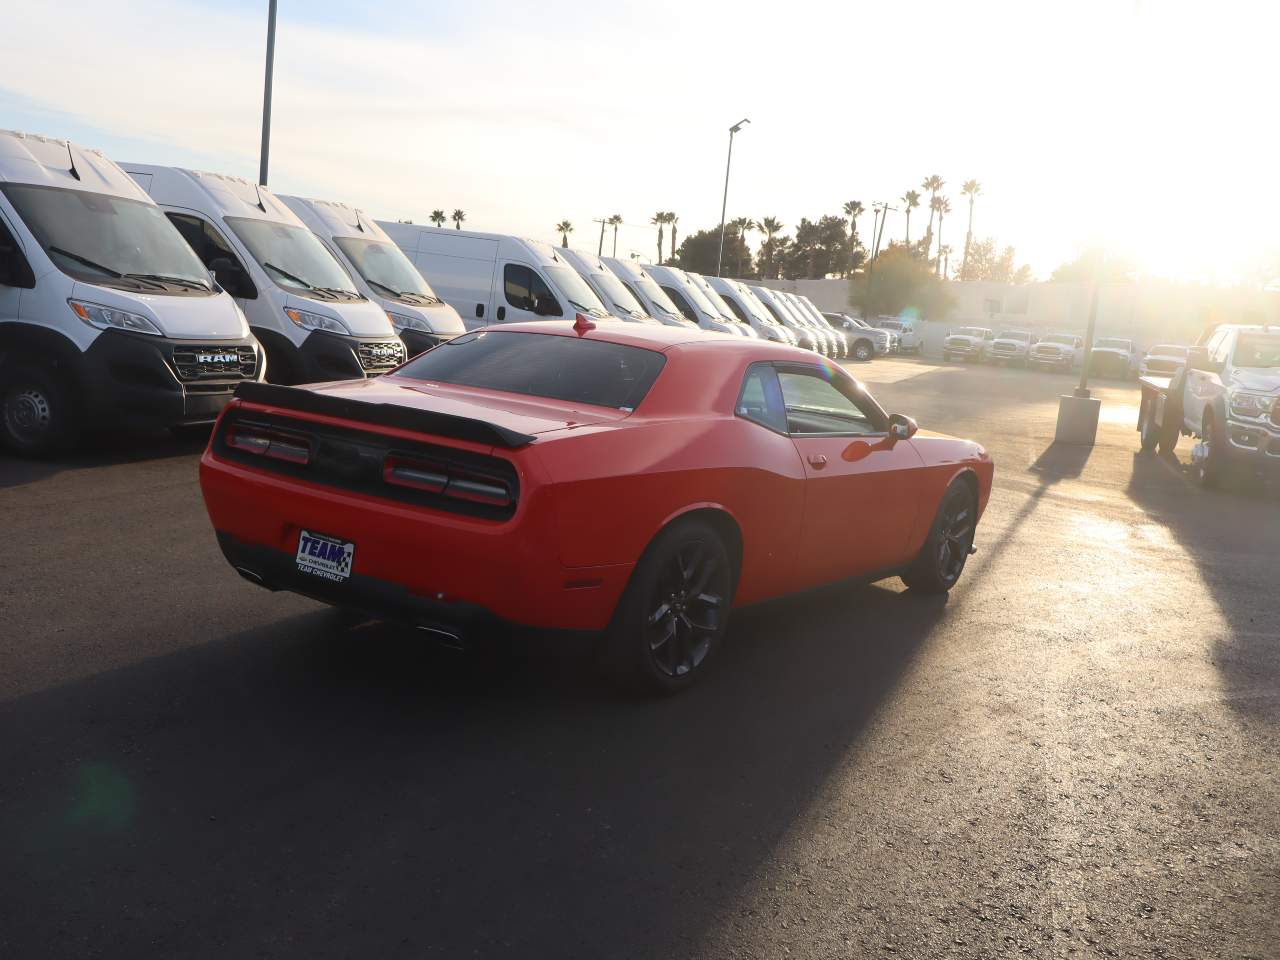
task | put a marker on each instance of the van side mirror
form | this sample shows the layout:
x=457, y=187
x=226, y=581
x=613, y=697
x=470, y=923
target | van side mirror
x=902, y=427
x=545, y=306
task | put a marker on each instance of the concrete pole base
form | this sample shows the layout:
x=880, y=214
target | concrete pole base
x=1077, y=420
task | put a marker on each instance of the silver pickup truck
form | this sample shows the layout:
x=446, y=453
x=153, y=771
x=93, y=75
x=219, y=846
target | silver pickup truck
x=1227, y=396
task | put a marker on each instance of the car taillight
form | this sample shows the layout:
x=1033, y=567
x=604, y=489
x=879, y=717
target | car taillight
x=269, y=443
x=447, y=480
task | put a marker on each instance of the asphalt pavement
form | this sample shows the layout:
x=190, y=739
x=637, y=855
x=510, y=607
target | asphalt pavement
x=1075, y=754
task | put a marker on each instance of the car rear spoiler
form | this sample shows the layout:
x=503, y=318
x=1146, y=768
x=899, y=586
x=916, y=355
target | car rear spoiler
x=383, y=414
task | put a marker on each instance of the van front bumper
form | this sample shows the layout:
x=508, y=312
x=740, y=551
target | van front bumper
x=136, y=380
x=1254, y=443
x=326, y=356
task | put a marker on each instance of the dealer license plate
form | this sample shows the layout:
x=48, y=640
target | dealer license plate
x=326, y=557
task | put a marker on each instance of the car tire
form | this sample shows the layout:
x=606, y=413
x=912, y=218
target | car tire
x=39, y=416
x=863, y=351
x=1210, y=467
x=941, y=560
x=671, y=620
x=1148, y=431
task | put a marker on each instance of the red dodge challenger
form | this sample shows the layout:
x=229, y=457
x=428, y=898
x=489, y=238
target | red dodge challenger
x=633, y=481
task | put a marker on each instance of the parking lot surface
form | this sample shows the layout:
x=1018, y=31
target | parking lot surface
x=1074, y=754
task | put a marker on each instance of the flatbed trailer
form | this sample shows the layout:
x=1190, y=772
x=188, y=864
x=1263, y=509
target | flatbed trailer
x=1160, y=412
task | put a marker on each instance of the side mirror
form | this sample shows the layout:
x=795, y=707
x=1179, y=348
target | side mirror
x=902, y=427
x=1198, y=359
x=545, y=306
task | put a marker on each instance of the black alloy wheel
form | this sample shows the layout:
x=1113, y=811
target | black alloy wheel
x=672, y=618
x=862, y=351
x=942, y=558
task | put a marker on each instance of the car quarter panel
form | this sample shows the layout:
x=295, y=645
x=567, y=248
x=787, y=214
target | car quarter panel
x=945, y=459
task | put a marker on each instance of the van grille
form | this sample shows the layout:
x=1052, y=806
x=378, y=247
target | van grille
x=201, y=362
x=380, y=356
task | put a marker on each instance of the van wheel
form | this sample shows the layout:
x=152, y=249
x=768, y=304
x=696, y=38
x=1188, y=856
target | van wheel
x=37, y=413
x=1148, y=432
x=1208, y=458
x=862, y=350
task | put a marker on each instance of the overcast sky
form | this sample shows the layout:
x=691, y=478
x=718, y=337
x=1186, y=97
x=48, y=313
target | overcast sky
x=1148, y=124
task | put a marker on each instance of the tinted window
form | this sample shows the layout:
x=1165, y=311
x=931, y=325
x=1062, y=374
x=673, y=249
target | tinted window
x=761, y=398
x=525, y=290
x=681, y=303
x=14, y=269
x=572, y=369
x=216, y=254
x=815, y=406
x=737, y=311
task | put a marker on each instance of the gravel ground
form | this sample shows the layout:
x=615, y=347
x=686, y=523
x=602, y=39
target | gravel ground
x=1073, y=755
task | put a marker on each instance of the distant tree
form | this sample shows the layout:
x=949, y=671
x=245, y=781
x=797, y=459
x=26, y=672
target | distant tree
x=660, y=221
x=970, y=189
x=743, y=226
x=910, y=200
x=1022, y=275
x=1108, y=269
x=987, y=262
x=564, y=228
x=771, y=227
x=438, y=217
x=933, y=183
x=820, y=249
x=699, y=250
x=901, y=279
x=458, y=217
x=615, y=221
x=853, y=209
x=942, y=206
x=672, y=219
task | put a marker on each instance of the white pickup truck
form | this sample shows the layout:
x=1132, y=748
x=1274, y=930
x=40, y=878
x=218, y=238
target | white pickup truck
x=1227, y=396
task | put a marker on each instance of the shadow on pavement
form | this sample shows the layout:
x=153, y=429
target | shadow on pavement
x=102, y=450
x=316, y=789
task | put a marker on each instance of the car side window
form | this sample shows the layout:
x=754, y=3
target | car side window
x=216, y=254
x=816, y=407
x=761, y=398
x=14, y=269
x=737, y=310
x=525, y=290
x=681, y=303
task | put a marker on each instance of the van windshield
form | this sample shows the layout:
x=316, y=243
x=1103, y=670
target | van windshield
x=714, y=298
x=387, y=270
x=581, y=297
x=109, y=241
x=699, y=299
x=619, y=296
x=657, y=296
x=294, y=259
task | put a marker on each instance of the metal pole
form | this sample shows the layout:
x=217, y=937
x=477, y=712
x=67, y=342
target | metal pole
x=266, y=93
x=1083, y=389
x=724, y=203
x=600, y=249
x=875, y=221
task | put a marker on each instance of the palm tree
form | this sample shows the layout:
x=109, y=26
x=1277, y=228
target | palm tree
x=971, y=189
x=941, y=205
x=853, y=209
x=910, y=200
x=438, y=217
x=933, y=183
x=660, y=220
x=945, y=253
x=615, y=221
x=458, y=217
x=770, y=226
x=564, y=228
x=743, y=225
x=673, y=220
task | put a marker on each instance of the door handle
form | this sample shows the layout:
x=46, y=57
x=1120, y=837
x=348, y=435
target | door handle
x=502, y=314
x=817, y=461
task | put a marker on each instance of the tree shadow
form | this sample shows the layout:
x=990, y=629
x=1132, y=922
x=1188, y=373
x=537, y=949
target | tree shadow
x=318, y=789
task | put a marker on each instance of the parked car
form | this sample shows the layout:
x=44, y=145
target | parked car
x=1114, y=357
x=631, y=481
x=620, y=302
x=492, y=278
x=1163, y=360
x=301, y=304
x=748, y=308
x=967, y=343
x=910, y=339
x=1058, y=351
x=106, y=315
x=645, y=289
x=865, y=341
x=1011, y=346
x=381, y=272
x=805, y=337
x=690, y=300
x=1227, y=394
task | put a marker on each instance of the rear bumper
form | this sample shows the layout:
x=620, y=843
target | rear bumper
x=411, y=563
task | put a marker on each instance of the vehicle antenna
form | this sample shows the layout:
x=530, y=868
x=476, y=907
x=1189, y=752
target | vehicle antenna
x=359, y=225
x=72, y=160
x=261, y=205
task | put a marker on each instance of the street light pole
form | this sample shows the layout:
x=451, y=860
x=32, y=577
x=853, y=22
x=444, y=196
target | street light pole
x=266, y=93
x=724, y=204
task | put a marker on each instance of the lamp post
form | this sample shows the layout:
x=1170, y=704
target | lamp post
x=266, y=93
x=1078, y=413
x=724, y=204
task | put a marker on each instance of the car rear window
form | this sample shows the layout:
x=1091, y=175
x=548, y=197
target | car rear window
x=571, y=369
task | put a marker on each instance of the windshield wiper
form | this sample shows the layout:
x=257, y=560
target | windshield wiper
x=85, y=261
x=287, y=275
x=165, y=278
x=339, y=293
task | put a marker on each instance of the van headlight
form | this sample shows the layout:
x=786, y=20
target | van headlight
x=315, y=321
x=1251, y=405
x=401, y=322
x=109, y=318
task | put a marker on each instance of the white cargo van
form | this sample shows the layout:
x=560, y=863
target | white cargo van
x=301, y=304
x=381, y=271
x=106, y=316
x=811, y=313
x=807, y=337
x=719, y=303
x=494, y=277
x=620, y=301
x=685, y=295
x=644, y=288
x=739, y=298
